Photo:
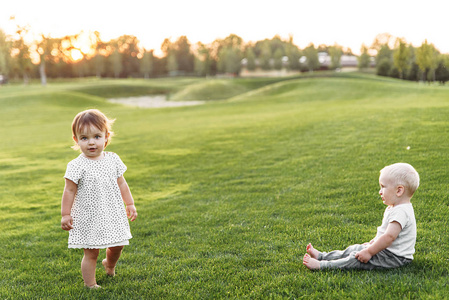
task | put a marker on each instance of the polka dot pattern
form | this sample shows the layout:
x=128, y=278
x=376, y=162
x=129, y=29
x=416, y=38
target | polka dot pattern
x=98, y=211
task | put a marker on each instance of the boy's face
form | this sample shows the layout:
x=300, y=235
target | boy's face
x=91, y=141
x=388, y=190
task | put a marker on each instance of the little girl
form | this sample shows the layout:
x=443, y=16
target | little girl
x=92, y=202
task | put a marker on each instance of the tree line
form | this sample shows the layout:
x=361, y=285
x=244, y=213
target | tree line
x=86, y=54
x=396, y=58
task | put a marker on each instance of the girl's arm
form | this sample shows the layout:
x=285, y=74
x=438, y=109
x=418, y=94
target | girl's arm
x=68, y=196
x=127, y=198
x=383, y=242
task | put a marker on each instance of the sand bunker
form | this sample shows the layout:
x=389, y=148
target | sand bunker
x=156, y=101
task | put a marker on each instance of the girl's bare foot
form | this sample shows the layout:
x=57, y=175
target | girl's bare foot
x=312, y=251
x=310, y=262
x=94, y=287
x=109, y=271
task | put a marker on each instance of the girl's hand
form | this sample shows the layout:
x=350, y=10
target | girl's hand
x=67, y=222
x=131, y=212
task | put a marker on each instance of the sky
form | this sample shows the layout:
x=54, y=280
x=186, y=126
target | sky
x=349, y=23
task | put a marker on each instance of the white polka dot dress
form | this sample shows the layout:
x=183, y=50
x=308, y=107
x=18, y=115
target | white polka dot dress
x=98, y=211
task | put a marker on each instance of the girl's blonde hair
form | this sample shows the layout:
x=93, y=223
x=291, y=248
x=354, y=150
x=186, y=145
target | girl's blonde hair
x=92, y=117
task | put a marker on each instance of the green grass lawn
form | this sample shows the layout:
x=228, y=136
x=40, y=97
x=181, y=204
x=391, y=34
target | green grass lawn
x=229, y=193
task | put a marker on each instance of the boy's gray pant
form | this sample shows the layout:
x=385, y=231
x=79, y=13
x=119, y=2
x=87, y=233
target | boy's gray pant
x=346, y=259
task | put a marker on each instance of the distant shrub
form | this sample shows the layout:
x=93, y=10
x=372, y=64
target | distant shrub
x=383, y=67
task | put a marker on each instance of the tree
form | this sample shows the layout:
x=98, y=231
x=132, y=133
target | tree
x=99, y=60
x=221, y=63
x=234, y=61
x=116, y=60
x=202, y=65
x=128, y=47
x=442, y=71
x=265, y=57
x=426, y=59
x=233, y=41
x=43, y=50
x=146, y=64
x=227, y=53
x=413, y=73
x=293, y=55
x=384, y=53
x=271, y=53
x=311, y=55
x=381, y=40
x=184, y=57
x=384, y=60
x=166, y=47
x=199, y=66
x=251, y=59
x=47, y=49
x=401, y=57
x=67, y=47
x=5, y=58
x=277, y=58
x=181, y=52
x=22, y=53
x=81, y=67
x=364, y=58
x=172, y=64
x=276, y=43
x=229, y=60
x=335, y=53
x=383, y=67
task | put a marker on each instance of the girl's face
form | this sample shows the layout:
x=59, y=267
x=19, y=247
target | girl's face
x=91, y=141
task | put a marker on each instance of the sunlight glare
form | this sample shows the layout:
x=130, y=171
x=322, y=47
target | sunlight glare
x=76, y=54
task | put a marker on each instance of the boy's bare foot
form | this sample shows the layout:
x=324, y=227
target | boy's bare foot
x=109, y=271
x=310, y=262
x=312, y=251
x=94, y=287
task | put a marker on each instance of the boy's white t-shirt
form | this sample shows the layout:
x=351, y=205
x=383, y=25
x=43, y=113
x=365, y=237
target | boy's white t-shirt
x=404, y=244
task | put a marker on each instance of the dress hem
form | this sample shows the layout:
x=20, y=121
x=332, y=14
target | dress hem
x=80, y=246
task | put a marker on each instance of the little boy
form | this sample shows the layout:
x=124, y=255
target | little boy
x=394, y=244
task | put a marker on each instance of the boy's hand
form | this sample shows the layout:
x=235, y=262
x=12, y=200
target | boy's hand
x=67, y=222
x=364, y=256
x=131, y=212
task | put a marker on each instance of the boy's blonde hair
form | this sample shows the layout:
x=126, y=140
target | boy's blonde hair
x=403, y=174
x=92, y=117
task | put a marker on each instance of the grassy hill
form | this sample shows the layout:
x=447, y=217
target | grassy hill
x=229, y=193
